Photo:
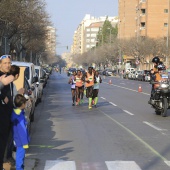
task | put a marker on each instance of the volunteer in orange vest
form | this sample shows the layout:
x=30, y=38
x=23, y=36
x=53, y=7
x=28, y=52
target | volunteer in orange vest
x=79, y=86
x=89, y=79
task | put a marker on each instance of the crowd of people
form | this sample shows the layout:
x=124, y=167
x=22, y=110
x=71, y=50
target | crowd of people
x=85, y=83
x=13, y=125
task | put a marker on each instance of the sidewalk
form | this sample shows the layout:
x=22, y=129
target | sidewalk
x=29, y=165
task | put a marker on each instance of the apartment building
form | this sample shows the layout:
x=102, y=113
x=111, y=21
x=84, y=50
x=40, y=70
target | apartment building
x=144, y=18
x=85, y=36
x=140, y=18
x=51, y=40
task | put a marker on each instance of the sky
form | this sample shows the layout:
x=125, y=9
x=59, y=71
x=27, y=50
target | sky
x=66, y=15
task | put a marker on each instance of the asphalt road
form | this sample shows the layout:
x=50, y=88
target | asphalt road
x=122, y=133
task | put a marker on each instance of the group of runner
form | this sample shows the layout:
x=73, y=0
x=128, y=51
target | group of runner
x=85, y=83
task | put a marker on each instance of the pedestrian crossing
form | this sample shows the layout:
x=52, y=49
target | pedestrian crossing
x=107, y=165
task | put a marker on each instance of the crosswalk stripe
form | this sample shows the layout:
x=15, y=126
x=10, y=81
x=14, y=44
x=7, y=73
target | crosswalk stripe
x=122, y=165
x=60, y=165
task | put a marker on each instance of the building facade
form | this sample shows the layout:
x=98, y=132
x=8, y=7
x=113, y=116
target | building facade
x=144, y=18
x=51, y=40
x=141, y=18
x=85, y=36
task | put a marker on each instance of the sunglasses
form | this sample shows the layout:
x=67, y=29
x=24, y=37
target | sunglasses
x=5, y=56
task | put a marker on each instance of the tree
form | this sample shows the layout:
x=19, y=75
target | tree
x=107, y=33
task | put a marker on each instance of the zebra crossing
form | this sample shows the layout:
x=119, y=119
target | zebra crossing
x=71, y=165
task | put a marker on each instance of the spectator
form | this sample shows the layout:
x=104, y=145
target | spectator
x=20, y=131
x=14, y=71
x=6, y=106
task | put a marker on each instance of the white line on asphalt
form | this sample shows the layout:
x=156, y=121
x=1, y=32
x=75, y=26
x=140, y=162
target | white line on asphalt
x=126, y=88
x=122, y=165
x=128, y=112
x=112, y=104
x=167, y=162
x=103, y=98
x=60, y=165
x=155, y=127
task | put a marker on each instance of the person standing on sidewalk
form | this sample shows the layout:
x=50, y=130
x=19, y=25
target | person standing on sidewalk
x=20, y=131
x=6, y=106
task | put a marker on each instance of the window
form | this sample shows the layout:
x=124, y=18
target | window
x=165, y=10
x=143, y=24
x=143, y=11
x=165, y=24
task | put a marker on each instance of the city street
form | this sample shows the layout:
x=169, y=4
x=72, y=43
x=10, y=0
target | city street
x=122, y=133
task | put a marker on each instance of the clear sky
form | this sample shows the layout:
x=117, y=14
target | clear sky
x=67, y=14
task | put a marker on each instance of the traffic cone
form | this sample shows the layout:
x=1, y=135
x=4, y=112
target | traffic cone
x=140, y=88
x=110, y=81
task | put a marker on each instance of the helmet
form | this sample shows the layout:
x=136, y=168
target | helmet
x=161, y=66
x=156, y=60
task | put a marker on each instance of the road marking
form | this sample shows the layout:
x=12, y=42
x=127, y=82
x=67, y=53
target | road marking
x=155, y=127
x=122, y=165
x=138, y=138
x=60, y=165
x=112, y=104
x=128, y=112
x=42, y=146
x=127, y=88
x=103, y=98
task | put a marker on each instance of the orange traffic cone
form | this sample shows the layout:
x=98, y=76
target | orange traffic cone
x=140, y=88
x=110, y=81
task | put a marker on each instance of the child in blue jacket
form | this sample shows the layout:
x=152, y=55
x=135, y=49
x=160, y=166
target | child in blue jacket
x=20, y=132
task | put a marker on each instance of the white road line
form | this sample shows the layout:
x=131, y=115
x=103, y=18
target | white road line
x=103, y=98
x=167, y=162
x=60, y=165
x=155, y=127
x=112, y=104
x=122, y=165
x=127, y=88
x=128, y=112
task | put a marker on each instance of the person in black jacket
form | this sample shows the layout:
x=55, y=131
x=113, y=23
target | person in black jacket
x=6, y=106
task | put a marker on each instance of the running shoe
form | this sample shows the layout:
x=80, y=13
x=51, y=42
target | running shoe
x=81, y=101
x=90, y=107
x=73, y=104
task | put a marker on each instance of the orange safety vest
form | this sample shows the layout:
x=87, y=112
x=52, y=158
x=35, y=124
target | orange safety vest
x=79, y=82
x=158, y=78
x=91, y=80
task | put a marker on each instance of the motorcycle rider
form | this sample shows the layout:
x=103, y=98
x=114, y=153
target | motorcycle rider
x=156, y=75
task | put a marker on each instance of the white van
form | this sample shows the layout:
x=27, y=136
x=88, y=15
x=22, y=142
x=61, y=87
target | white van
x=30, y=75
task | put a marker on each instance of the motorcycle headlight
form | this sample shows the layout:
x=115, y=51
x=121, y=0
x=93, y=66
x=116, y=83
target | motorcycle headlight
x=164, y=85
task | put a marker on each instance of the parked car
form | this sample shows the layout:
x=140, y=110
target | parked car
x=40, y=82
x=22, y=82
x=30, y=75
x=130, y=75
x=147, y=77
x=109, y=72
x=44, y=78
x=135, y=75
x=142, y=74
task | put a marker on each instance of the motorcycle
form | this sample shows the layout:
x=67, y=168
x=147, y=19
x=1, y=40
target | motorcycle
x=161, y=97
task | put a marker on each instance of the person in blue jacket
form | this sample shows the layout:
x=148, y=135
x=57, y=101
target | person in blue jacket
x=20, y=132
